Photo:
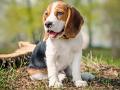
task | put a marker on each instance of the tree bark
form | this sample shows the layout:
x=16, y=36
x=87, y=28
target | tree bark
x=90, y=24
x=116, y=43
x=31, y=20
x=18, y=58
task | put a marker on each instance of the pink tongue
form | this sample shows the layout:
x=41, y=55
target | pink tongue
x=53, y=34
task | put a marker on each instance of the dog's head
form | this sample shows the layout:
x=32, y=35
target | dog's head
x=61, y=21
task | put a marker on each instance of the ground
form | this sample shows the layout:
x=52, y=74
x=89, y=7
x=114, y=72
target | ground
x=97, y=61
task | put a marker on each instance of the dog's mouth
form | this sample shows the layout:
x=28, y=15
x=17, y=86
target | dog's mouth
x=54, y=34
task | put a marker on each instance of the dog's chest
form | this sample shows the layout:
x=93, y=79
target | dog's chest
x=64, y=57
x=63, y=51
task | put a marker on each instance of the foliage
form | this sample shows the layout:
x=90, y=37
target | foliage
x=113, y=12
x=17, y=19
x=16, y=24
x=88, y=9
x=112, y=7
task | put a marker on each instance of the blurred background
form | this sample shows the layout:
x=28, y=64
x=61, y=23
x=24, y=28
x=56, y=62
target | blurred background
x=21, y=20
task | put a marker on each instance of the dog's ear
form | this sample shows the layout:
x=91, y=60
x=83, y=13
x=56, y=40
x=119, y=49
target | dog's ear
x=73, y=23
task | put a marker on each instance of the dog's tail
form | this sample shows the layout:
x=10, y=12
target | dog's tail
x=87, y=76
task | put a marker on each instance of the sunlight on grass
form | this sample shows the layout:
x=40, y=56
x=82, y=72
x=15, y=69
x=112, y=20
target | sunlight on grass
x=101, y=56
x=6, y=77
x=94, y=61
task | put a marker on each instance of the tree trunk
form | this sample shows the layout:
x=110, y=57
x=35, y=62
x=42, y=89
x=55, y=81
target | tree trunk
x=90, y=33
x=116, y=43
x=18, y=58
x=31, y=19
x=90, y=24
x=112, y=8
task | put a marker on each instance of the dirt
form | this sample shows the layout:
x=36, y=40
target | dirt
x=108, y=78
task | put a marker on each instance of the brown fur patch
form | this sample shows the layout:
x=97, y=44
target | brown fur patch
x=61, y=7
x=70, y=15
x=73, y=23
x=32, y=71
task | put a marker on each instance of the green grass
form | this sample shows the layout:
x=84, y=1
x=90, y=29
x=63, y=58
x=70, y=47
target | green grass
x=11, y=78
x=6, y=77
x=102, y=55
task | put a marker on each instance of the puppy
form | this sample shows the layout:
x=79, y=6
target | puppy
x=60, y=53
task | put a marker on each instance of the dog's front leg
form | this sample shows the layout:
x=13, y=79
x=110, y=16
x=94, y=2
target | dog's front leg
x=52, y=72
x=76, y=71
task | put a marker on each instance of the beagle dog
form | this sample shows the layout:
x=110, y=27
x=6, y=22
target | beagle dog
x=60, y=53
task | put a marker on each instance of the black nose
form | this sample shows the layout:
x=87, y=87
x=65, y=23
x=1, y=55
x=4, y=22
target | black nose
x=48, y=24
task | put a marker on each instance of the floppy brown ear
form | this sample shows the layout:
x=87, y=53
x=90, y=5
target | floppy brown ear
x=73, y=23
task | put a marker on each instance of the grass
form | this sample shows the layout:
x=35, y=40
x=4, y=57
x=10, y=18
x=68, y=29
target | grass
x=6, y=77
x=97, y=61
x=102, y=55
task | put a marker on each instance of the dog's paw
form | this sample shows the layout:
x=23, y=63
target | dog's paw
x=81, y=83
x=55, y=84
x=61, y=77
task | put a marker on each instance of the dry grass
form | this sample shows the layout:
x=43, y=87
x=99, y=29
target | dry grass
x=107, y=77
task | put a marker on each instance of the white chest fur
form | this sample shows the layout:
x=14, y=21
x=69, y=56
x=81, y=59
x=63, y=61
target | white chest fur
x=62, y=51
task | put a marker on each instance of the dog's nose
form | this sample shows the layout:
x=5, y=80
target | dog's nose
x=48, y=24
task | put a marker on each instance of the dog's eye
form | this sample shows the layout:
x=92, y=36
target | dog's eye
x=46, y=13
x=60, y=13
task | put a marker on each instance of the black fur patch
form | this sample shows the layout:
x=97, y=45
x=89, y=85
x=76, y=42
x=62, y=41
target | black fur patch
x=38, y=59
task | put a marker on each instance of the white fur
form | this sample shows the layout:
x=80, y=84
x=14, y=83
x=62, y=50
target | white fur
x=38, y=76
x=58, y=25
x=61, y=76
x=62, y=53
